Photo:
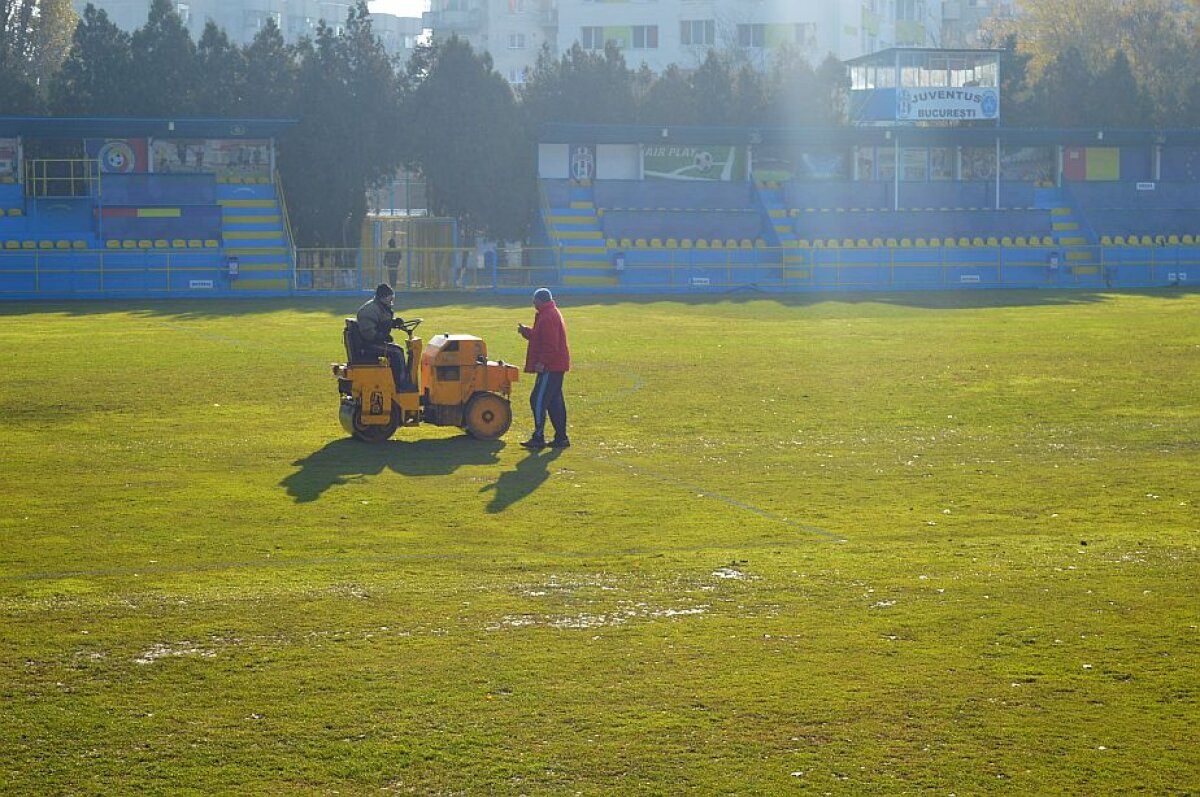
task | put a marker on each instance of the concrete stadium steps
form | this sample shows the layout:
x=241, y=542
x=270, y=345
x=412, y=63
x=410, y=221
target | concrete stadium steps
x=252, y=231
x=773, y=201
x=579, y=235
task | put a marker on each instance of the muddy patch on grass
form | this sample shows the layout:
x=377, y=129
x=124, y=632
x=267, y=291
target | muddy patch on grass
x=618, y=616
x=177, y=650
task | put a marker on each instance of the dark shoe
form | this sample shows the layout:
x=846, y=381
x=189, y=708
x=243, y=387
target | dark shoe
x=534, y=444
x=560, y=443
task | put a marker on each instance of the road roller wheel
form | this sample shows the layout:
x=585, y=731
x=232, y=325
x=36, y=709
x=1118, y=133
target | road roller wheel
x=351, y=418
x=487, y=416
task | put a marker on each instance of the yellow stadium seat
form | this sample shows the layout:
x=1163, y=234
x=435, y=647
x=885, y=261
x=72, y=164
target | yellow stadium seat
x=934, y=243
x=656, y=243
x=847, y=243
x=1173, y=240
x=746, y=243
x=1118, y=240
x=145, y=244
x=701, y=243
x=12, y=244
x=803, y=243
x=920, y=243
x=1188, y=240
x=79, y=244
x=877, y=242
x=161, y=244
x=639, y=243
x=1147, y=240
x=863, y=244
x=112, y=243
x=905, y=243
x=178, y=243
x=965, y=242
x=29, y=244
x=977, y=241
x=686, y=243
x=892, y=243
x=716, y=243
x=672, y=243
x=832, y=243
x=818, y=243
x=1006, y=241
x=45, y=244
x=62, y=244
x=992, y=241
x=731, y=243
x=211, y=243
x=1105, y=240
x=195, y=243
x=15, y=212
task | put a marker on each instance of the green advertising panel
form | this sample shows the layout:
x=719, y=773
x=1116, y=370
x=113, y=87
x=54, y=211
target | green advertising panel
x=703, y=162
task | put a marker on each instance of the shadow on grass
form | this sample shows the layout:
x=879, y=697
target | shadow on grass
x=345, y=461
x=513, y=485
x=184, y=308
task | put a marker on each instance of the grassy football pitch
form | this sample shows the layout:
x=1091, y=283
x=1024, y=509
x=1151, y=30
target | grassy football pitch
x=835, y=545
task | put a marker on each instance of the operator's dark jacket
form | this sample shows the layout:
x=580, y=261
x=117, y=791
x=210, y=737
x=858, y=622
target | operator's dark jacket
x=375, y=325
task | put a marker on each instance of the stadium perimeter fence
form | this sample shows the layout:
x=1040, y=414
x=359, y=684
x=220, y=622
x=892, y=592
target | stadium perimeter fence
x=58, y=273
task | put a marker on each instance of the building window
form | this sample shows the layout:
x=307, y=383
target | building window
x=516, y=41
x=806, y=35
x=184, y=12
x=910, y=10
x=516, y=76
x=591, y=38
x=751, y=35
x=645, y=37
x=698, y=32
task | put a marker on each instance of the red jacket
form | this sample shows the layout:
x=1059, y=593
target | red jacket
x=547, y=341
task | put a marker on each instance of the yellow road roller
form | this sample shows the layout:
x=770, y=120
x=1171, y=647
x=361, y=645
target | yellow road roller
x=450, y=382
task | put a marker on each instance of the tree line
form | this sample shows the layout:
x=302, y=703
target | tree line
x=361, y=115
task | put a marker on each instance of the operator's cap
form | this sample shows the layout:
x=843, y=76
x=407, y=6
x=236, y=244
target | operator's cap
x=383, y=289
x=543, y=295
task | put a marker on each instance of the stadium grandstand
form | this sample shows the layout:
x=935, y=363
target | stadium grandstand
x=645, y=207
x=93, y=206
x=925, y=190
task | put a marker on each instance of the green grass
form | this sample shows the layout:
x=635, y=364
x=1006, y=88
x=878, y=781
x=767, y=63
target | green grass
x=849, y=545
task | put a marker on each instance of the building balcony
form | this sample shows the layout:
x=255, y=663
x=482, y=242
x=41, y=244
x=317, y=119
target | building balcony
x=471, y=19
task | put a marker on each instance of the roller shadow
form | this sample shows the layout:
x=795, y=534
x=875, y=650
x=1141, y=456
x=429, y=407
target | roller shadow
x=346, y=460
x=513, y=485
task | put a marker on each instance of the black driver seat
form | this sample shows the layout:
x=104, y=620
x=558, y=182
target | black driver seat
x=352, y=339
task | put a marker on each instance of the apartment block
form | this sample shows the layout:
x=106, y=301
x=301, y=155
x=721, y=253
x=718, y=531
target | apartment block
x=243, y=19
x=663, y=32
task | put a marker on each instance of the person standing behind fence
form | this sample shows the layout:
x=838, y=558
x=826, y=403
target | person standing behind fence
x=547, y=356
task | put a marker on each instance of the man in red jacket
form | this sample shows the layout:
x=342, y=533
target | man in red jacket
x=548, y=357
